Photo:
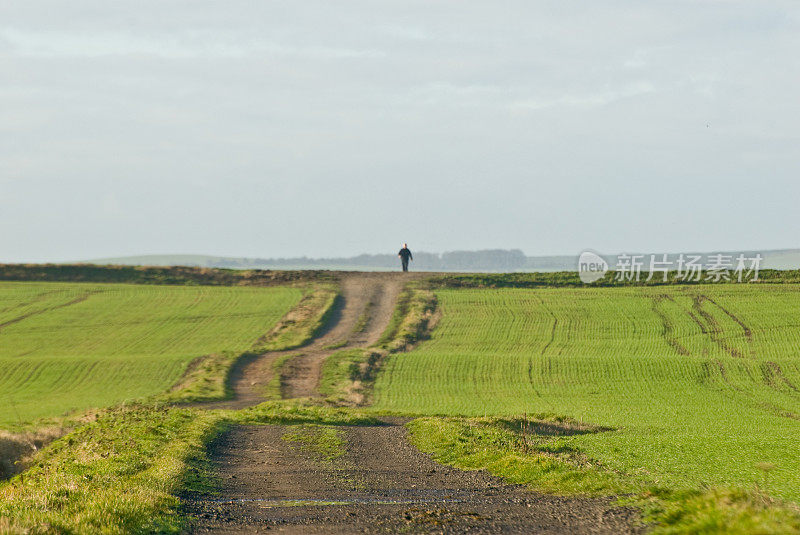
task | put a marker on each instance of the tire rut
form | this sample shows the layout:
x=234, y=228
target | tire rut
x=367, y=303
x=373, y=294
x=714, y=331
x=668, y=328
x=80, y=299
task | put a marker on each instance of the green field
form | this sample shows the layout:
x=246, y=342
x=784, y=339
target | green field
x=72, y=346
x=699, y=384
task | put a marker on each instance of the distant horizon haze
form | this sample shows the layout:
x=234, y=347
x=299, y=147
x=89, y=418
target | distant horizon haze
x=391, y=251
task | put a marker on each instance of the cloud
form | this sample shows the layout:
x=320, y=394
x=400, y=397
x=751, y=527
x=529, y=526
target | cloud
x=187, y=45
x=585, y=100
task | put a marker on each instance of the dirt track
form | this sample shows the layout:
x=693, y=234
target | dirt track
x=368, y=303
x=381, y=484
x=371, y=295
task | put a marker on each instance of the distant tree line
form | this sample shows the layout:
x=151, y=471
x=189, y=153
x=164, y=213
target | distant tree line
x=486, y=260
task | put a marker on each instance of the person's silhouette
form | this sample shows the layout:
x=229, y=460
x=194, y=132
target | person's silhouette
x=405, y=256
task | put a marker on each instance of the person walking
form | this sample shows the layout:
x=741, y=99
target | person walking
x=405, y=256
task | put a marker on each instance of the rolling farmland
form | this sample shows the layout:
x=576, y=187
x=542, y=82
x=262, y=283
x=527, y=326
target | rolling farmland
x=643, y=393
x=71, y=346
x=699, y=384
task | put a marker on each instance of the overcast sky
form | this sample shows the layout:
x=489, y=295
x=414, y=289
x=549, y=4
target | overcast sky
x=319, y=128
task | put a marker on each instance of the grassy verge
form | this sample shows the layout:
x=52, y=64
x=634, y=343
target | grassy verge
x=122, y=472
x=303, y=322
x=173, y=275
x=346, y=375
x=204, y=380
x=118, y=474
x=294, y=412
x=273, y=389
x=524, y=451
x=411, y=321
x=532, y=452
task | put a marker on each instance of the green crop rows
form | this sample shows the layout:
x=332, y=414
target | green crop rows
x=72, y=346
x=699, y=385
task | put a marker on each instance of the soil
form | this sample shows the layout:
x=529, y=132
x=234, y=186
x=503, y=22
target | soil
x=380, y=483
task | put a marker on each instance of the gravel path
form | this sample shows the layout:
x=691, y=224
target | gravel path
x=381, y=484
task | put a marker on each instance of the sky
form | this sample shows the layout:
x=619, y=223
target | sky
x=318, y=128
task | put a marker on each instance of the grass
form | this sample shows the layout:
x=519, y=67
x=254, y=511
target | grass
x=204, y=379
x=718, y=510
x=322, y=442
x=525, y=451
x=363, y=319
x=410, y=320
x=273, y=389
x=118, y=474
x=70, y=346
x=301, y=412
x=15, y=447
x=699, y=383
x=347, y=375
x=534, y=452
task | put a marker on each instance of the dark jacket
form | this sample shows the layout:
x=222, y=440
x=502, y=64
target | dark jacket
x=405, y=254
